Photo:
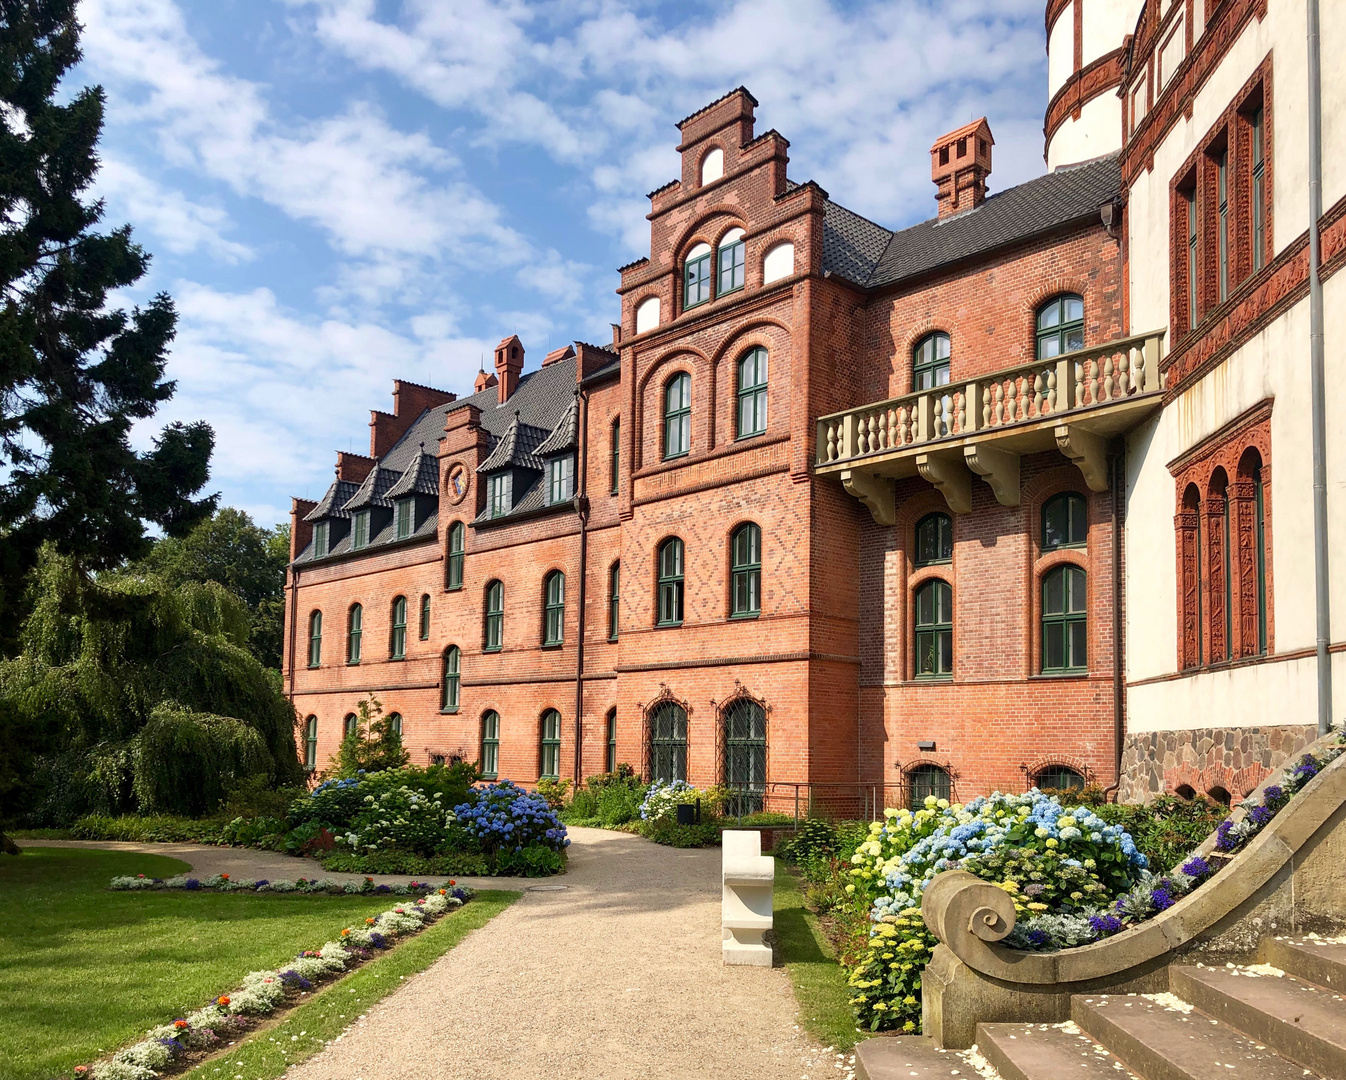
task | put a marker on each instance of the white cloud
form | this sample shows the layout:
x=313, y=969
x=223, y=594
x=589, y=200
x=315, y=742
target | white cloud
x=179, y=224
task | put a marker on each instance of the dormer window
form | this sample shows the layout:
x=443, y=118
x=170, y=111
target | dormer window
x=732, y=260
x=320, y=539
x=360, y=531
x=560, y=479
x=406, y=518
x=697, y=276
x=500, y=494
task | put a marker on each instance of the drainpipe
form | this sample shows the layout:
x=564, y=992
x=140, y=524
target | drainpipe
x=582, y=508
x=1320, y=569
x=1118, y=599
x=294, y=615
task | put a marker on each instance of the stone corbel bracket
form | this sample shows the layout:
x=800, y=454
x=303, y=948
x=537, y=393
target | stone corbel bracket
x=1086, y=450
x=875, y=491
x=999, y=468
x=948, y=473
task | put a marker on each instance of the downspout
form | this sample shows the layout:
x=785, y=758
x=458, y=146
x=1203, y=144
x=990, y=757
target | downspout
x=1317, y=378
x=294, y=615
x=1118, y=600
x=582, y=508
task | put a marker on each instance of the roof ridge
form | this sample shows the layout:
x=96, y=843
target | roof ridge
x=722, y=97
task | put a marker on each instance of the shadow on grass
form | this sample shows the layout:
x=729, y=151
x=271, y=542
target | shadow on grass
x=819, y=980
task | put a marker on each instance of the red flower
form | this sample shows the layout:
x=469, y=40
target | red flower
x=222, y=1001
x=453, y=883
x=223, y=877
x=82, y=1069
x=181, y=1025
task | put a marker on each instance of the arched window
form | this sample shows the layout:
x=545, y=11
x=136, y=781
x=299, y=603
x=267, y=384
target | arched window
x=315, y=639
x=930, y=362
x=678, y=415
x=1058, y=778
x=311, y=743
x=615, y=459
x=550, y=755
x=668, y=743
x=732, y=256
x=494, y=638
x=778, y=263
x=1064, y=622
x=350, y=726
x=611, y=759
x=925, y=781
x=1065, y=521
x=1221, y=590
x=934, y=630
x=1220, y=795
x=712, y=165
x=395, y=723
x=453, y=674
x=490, y=744
x=614, y=600
x=554, y=609
x=647, y=314
x=425, y=617
x=397, y=646
x=745, y=588
x=745, y=754
x=1060, y=326
x=697, y=276
x=670, y=582
x=934, y=539
x=456, y=537
x=752, y=393
x=354, y=632
x=1250, y=476
x=1192, y=646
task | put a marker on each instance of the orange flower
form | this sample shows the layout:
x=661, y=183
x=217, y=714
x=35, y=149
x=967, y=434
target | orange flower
x=453, y=883
x=443, y=893
x=181, y=1025
x=223, y=1000
x=81, y=1069
x=224, y=877
x=369, y=922
x=345, y=932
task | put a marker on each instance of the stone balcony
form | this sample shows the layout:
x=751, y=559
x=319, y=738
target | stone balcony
x=1075, y=405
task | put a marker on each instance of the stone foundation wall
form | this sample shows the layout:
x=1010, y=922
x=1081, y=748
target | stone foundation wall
x=1206, y=759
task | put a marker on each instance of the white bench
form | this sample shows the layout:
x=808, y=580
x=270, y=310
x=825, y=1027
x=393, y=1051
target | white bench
x=745, y=904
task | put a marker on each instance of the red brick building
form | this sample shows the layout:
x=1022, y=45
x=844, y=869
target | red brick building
x=698, y=550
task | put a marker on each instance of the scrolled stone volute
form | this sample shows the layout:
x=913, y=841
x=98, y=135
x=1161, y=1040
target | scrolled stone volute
x=958, y=906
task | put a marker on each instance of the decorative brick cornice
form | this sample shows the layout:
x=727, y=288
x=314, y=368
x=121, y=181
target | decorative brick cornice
x=1093, y=80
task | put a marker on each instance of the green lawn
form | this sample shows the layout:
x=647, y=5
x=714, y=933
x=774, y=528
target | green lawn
x=84, y=970
x=819, y=981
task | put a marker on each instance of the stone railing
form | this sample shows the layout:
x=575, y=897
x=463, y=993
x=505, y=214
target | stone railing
x=1041, y=390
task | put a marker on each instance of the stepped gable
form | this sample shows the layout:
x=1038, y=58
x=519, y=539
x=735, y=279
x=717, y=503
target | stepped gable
x=566, y=436
x=331, y=505
x=420, y=478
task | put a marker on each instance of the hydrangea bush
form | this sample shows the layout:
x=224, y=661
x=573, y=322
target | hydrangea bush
x=662, y=799
x=506, y=817
x=402, y=818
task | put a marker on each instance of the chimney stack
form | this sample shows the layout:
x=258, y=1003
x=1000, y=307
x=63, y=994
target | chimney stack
x=960, y=162
x=508, y=366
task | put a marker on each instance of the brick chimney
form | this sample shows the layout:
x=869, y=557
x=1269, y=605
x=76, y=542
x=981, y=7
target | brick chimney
x=960, y=162
x=483, y=381
x=508, y=366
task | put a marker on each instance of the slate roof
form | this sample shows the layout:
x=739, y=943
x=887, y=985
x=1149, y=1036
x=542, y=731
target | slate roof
x=566, y=436
x=330, y=505
x=374, y=491
x=420, y=478
x=517, y=447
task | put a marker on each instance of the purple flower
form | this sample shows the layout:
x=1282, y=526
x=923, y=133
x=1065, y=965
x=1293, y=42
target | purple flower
x=1038, y=938
x=383, y=888
x=1223, y=841
x=1105, y=924
x=292, y=978
x=1273, y=794
x=259, y=884
x=377, y=940
x=1307, y=769
x=1260, y=815
x=1161, y=898
x=1196, y=867
x=191, y=883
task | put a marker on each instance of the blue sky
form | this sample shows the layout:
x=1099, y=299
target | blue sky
x=340, y=192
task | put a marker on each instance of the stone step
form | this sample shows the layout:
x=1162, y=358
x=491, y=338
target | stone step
x=1300, y=1021
x=1046, y=1052
x=1321, y=962
x=909, y=1057
x=1160, y=1041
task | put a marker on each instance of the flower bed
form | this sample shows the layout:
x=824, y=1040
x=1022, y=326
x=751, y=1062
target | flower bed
x=182, y=1042
x=228, y=883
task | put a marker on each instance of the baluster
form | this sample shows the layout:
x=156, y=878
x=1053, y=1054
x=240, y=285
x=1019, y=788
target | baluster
x=999, y=403
x=946, y=414
x=902, y=426
x=1108, y=381
x=1124, y=374
x=1137, y=370
x=961, y=412
x=986, y=407
x=1051, y=389
x=832, y=441
x=1039, y=393
x=1080, y=379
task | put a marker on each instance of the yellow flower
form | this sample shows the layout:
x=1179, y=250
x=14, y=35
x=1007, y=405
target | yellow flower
x=908, y=1000
x=1010, y=886
x=1051, y=842
x=1040, y=832
x=1035, y=906
x=909, y=1026
x=943, y=804
x=931, y=801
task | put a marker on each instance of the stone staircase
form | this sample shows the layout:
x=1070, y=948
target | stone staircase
x=1284, y=1019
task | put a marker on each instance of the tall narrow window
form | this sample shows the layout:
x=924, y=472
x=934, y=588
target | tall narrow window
x=1064, y=521
x=934, y=630
x=1193, y=264
x=490, y=744
x=668, y=743
x=732, y=257
x=670, y=583
x=499, y=494
x=560, y=480
x=930, y=362
x=311, y=743
x=745, y=754
x=405, y=518
x=614, y=601
x=320, y=537
x=928, y=781
x=746, y=572
x=678, y=416
x=1260, y=524
x=397, y=646
x=551, y=745
x=1064, y=626
x=457, y=535
x=395, y=723
x=495, y=617
x=1259, y=190
x=697, y=276
x=350, y=726
x=615, y=458
x=934, y=539
x=1060, y=325
x=360, y=530
x=453, y=676
x=554, y=609
x=354, y=633
x=425, y=617
x=611, y=759
x=752, y=393
x=315, y=639
x=1222, y=221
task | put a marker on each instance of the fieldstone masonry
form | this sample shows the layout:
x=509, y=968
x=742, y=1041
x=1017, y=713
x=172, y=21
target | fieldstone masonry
x=1209, y=761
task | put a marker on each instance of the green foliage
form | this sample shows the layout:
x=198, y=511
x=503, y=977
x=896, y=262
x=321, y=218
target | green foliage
x=465, y=864
x=145, y=828
x=185, y=761
x=337, y=803
x=374, y=746
x=554, y=791
x=666, y=830
x=1166, y=830
x=607, y=799
x=255, y=796
x=583, y=807
x=532, y=860
x=814, y=837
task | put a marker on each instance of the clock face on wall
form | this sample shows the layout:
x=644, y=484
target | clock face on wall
x=457, y=483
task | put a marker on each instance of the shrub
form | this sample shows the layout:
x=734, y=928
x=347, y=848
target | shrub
x=400, y=818
x=506, y=816
x=583, y=807
x=662, y=800
x=531, y=860
x=619, y=804
x=1167, y=828
x=259, y=832
x=184, y=761
x=258, y=796
x=160, y=829
x=374, y=746
x=333, y=802
x=666, y=830
x=554, y=791
x=449, y=864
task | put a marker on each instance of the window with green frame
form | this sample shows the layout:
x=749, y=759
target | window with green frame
x=395, y=723
x=1058, y=778
x=494, y=637
x=1064, y=620
x=315, y=639
x=554, y=609
x=678, y=415
x=614, y=601
x=696, y=276
x=745, y=754
x=611, y=760
x=930, y=362
x=934, y=630
x=350, y=725
x=354, y=633
x=615, y=458
x=1222, y=222
x=1060, y=326
x=668, y=743
x=928, y=781
x=550, y=755
x=406, y=518
x=311, y=743
x=397, y=645
x=490, y=744
x=560, y=479
x=1065, y=521
x=499, y=494
x=457, y=535
x=452, y=683
x=732, y=261
x=1258, y=125
x=934, y=539
x=360, y=530
x=670, y=583
x=752, y=393
x=746, y=572
x=321, y=532
x=425, y=617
